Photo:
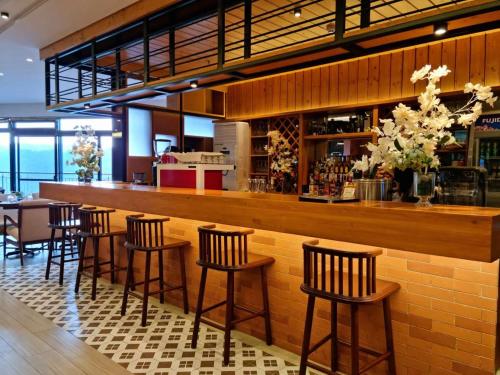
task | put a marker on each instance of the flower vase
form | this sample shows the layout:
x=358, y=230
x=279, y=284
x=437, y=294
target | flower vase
x=423, y=187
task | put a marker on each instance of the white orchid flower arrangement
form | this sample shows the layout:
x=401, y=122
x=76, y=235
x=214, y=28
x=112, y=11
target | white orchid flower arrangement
x=85, y=151
x=283, y=157
x=411, y=138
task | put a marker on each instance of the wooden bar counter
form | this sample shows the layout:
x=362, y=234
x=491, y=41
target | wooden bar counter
x=444, y=257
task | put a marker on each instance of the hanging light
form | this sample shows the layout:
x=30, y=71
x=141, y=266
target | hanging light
x=193, y=84
x=440, y=28
x=5, y=15
x=297, y=12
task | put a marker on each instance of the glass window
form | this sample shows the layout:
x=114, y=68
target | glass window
x=139, y=132
x=35, y=125
x=98, y=124
x=36, y=162
x=68, y=170
x=4, y=125
x=106, y=161
x=198, y=126
x=5, y=161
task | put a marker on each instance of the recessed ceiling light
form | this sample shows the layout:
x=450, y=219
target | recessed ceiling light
x=297, y=12
x=193, y=84
x=1, y=74
x=5, y=15
x=86, y=106
x=29, y=59
x=440, y=29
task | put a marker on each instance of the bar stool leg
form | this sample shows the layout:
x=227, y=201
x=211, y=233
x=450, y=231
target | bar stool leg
x=95, y=269
x=21, y=252
x=82, y=244
x=63, y=255
x=128, y=281
x=265, y=300
x=199, y=307
x=51, y=249
x=112, y=257
x=354, y=339
x=334, y=339
x=229, y=316
x=388, y=335
x=183, y=280
x=306, y=342
x=146, y=289
x=160, y=276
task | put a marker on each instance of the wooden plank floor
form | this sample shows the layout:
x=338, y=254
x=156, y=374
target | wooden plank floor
x=32, y=344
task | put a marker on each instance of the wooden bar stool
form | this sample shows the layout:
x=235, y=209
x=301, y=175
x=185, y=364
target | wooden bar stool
x=94, y=225
x=325, y=277
x=146, y=235
x=227, y=251
x=63, y=217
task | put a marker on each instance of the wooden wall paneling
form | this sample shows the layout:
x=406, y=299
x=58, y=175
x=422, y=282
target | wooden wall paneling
x=291, y=91
x=448, y=51
x=276, y=93
x=373, y=77
x=316, y=87
x=307, y=88
x=407, y=87
x=478, y=58
x=384, y=85
x=247, y=98
x=334, y=84
x=268, y=89
x=256, y=98
x=362, y=79
x=353, y=81
x=492, y=59
x=421, y=59
x=343, y=83
x=299, y=90
x=435, y=55
x=462, y=63
x=396, y=74
x=324, y=86
x=283, y=93
x=230, y=100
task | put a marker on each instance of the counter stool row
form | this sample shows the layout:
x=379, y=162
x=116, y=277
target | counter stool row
x=328, y=274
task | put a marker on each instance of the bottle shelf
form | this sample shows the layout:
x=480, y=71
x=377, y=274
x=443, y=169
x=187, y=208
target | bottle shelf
x=259, y=136
x=259, y=155
x=339, y=136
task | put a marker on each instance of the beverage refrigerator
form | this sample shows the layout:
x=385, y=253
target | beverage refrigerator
x=484, y=152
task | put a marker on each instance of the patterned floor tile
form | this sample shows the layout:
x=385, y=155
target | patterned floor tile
x=161, y=348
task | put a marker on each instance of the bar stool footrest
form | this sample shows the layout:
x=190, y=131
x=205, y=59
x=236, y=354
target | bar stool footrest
x=211, y=323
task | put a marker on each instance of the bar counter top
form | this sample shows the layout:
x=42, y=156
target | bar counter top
x=463, y=232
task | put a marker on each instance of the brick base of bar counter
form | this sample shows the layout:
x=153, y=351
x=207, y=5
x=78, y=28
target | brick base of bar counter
x=444, y=316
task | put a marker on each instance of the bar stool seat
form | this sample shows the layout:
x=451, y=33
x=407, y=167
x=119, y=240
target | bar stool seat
x=146, y=235
x=227, y=251
x=383, y=290
x=254, y=261
x=64, y=218
x=329, y=274
x=94, y=225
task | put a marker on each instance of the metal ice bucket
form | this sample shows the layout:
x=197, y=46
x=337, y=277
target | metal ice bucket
x=376, y=189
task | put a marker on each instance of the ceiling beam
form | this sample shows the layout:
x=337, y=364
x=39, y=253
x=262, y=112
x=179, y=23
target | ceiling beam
x=122, y=17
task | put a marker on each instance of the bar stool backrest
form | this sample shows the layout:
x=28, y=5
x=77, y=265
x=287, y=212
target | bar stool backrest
x=223, y=249
x=64, y=215
x=94, y=222
x=330, y=272
x=145, y=233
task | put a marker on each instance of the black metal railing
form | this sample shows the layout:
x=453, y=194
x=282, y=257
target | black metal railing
x=195, y=36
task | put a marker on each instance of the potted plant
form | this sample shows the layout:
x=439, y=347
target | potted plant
x=408, y=141
x=86, y=153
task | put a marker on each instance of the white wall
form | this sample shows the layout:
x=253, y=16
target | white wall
x=28, y=110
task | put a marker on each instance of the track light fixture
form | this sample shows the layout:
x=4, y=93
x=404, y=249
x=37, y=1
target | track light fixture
x=5, y=15
x=297, y=12
x=440, y=28
x=193, y=84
